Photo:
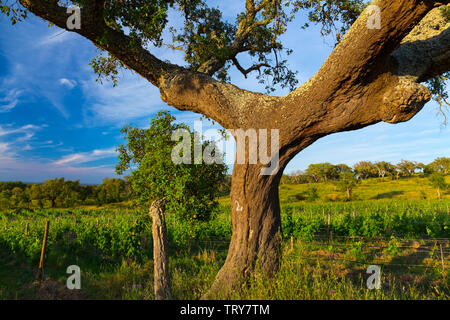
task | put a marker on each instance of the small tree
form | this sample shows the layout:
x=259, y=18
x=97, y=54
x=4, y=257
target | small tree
x=408, y=168
x=441, y=164
x=112, y=190
x=312, y=193
x=365, y=169
x=437, y=180
x=347, y=183
x=384, y=168
x=189, y=189
x=341, y=168
x=35, y=195
x=52, y=189
x=322, y=171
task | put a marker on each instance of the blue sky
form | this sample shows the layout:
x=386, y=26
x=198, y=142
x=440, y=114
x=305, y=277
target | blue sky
x=56, y=120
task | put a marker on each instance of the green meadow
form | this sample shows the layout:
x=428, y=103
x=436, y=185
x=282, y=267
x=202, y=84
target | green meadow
x=328, y=245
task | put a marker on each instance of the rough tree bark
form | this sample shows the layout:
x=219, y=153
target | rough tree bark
x=373, y=75
x=160, y=251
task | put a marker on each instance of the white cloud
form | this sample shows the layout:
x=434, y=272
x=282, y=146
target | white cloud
x=3, y=148
x=83, y=157
x=27, y=148
x=67, y=83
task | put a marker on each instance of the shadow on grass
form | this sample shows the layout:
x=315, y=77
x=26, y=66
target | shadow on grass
x=387, y=195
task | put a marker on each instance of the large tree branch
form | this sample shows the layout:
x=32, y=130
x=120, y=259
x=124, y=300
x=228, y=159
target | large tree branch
x=363, y=50
x=252, y=68
x=361, y=83
x=179, y=87
x=425, y=52
x=244, y=29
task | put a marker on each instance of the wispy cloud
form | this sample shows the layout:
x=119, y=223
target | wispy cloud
x=133, y=98
x=56, y=36
x=27, y=130
x=12, y=141
x=10, y=101
x=83, y=157
x=12, y=168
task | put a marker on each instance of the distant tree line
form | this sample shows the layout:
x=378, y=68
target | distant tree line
x=61, y=193
x=327, y=172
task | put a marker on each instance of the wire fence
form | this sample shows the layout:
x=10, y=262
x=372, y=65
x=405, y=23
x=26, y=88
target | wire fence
x=438, y=246
x=384, y=264
x=325, y=238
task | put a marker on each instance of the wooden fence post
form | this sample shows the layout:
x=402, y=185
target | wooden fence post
x=44, y=244
x=160, y=252
x=442, y=259
x=329, y=225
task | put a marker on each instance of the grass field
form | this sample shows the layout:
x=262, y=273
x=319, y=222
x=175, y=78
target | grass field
x=398, y=225
x=415, y=188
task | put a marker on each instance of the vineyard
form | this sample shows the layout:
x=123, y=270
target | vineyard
x=409, y=240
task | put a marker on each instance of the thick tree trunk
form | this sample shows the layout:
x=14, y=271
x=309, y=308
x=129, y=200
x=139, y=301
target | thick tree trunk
x=256, y=239
x=160, y=252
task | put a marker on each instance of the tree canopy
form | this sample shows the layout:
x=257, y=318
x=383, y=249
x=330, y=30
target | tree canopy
x=437, y=180
x=189, y=189
x=212, y=44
